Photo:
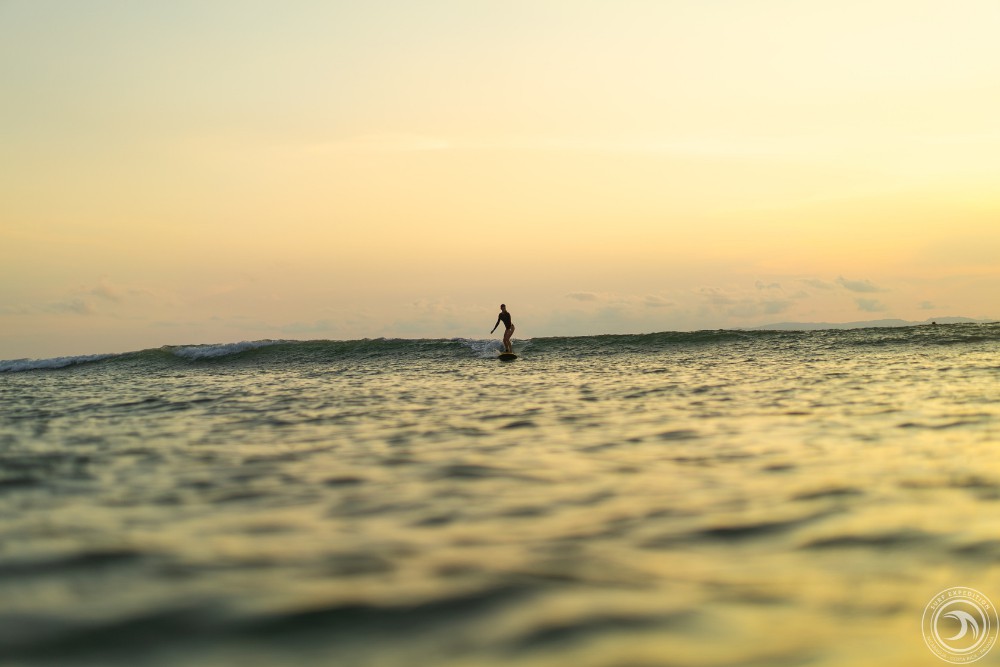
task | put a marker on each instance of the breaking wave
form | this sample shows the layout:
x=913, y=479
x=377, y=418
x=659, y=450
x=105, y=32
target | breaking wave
x=295, y=351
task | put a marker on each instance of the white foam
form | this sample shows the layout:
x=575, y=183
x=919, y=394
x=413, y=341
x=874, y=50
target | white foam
x=18, y=365
x=194, y=352
x=485, y=349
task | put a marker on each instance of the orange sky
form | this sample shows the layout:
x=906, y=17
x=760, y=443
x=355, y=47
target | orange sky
x=194, y=172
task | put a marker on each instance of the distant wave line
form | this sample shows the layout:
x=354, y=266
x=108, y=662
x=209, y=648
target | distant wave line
x=296, y=351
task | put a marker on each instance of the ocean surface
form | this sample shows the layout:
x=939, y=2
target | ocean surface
x=713, y=498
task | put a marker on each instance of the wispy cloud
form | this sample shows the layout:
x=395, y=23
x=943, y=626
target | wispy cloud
x=717, y=296
x=621, y=302
x=766, y=299
x=107, y=290
x=105, y=298
x=870, y=305
x=71, y=306
x=654, y=301
x=865, y=286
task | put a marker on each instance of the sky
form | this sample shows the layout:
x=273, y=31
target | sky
x=215, y=171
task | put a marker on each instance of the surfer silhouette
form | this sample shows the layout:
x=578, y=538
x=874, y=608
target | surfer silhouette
x=504, y=317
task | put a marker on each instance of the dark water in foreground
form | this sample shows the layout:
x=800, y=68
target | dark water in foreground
x=712, y=498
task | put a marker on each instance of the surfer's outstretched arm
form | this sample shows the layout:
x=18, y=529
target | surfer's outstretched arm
x=495, y=326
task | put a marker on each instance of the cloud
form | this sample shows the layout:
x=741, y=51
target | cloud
x=744, y=304
x=926, y=305
x=817, y=283
x=870, y=305
x=435, y=307
x=717, y=297
x=106, y=290
x=105, y=299
x=15, y=310
x=653, y=301
x=582, y=296
x=433, y=316
x=858, y=285
x=72, y=306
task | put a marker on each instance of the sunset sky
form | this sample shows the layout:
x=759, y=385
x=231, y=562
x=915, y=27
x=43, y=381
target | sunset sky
x=206, y=171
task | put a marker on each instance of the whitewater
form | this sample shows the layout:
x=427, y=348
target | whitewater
x=710, y=498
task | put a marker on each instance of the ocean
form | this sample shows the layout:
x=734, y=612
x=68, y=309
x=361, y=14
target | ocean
x=712, y=498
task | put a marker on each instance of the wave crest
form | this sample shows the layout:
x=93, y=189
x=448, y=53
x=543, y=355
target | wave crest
x=19, y=365
x=195, y=352
x=323, y=351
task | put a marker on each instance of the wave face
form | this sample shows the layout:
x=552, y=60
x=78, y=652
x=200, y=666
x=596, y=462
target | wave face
x=268, y=351
x=297, y=352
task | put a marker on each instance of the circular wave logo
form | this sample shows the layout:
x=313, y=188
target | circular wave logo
x=960, y=625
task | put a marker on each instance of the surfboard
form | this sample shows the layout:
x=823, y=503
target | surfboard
x=507, y=356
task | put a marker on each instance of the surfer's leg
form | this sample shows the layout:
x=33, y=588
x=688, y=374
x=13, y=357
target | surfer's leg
x=506, y=338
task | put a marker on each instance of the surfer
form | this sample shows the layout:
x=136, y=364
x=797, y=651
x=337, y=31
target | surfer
x=504, y=317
